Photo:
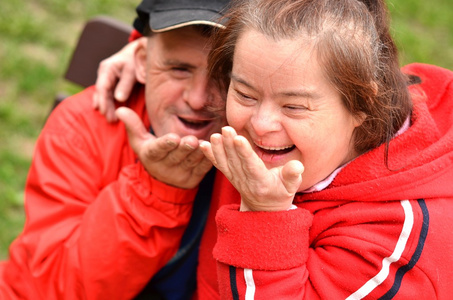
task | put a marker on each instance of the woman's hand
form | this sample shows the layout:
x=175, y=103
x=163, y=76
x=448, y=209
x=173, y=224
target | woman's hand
x=261, y=189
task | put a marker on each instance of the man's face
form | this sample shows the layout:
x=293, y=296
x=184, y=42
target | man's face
x=178, y=89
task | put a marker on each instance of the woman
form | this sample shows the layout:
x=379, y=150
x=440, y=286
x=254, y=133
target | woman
x=343, y=173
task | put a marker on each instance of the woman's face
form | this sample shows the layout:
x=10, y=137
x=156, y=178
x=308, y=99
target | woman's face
x=281, y=102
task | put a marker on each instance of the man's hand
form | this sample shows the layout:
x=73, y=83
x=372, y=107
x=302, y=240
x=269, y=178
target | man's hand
x=115, y=80
x=261, y=189
x=170, y=159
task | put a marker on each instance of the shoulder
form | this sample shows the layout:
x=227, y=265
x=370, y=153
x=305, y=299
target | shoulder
x=435, y=82
x=428, y=72
x=76, y=113
x=73, y=113
x=74, y=123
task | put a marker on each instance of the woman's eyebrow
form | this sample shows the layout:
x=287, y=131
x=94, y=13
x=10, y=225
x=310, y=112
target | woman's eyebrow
x=296, y=93
x=241, y=81
x=300, y=94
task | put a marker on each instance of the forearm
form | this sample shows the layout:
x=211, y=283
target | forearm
x=91, y=250
x=140, y=231
x=350, y=251
x=266, y=248
x=89, y=231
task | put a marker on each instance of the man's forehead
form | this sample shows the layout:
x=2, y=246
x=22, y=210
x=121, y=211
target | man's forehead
x=181, y=49
x=188, y=36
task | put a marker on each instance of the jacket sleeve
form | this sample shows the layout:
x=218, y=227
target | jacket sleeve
x=94, y=229
x=257, y=256
x=349, y=251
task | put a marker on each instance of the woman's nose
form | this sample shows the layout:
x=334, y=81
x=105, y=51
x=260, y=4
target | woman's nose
x=266, y=119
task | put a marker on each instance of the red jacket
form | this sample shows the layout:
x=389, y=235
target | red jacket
x=97, y=225
x=372, y=233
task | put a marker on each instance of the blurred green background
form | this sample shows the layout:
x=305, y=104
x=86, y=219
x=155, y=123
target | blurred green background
x=38, y=36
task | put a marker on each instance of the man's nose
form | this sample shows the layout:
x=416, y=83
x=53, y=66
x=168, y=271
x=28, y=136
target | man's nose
x=199, y=92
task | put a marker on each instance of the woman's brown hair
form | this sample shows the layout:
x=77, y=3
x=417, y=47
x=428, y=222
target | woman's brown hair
x=354, y=47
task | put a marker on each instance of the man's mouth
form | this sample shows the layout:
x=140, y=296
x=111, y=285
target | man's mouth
x=194, y=124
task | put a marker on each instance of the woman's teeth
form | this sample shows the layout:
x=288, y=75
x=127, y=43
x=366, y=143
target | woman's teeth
x=274, y=150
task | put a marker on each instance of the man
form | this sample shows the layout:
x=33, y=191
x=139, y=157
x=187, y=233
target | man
x=112, y=206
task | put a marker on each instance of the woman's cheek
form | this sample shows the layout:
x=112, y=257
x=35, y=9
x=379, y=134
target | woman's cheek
x=235, y=114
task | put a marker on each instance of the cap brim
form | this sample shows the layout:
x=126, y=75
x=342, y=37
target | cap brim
x=165, y=20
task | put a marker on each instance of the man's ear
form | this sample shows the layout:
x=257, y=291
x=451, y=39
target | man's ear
x=140, y=61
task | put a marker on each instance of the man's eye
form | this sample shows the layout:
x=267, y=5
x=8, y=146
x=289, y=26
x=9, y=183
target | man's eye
x=180, y=69
x=180, y=72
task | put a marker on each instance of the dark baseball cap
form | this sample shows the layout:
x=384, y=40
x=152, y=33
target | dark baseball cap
x=164, y=15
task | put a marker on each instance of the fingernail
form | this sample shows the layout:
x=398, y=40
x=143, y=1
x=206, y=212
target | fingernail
x=204, y=144
x=171, y=143
x=215, y=138
x=227, y=130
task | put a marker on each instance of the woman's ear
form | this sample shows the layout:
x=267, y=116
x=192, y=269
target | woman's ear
x=375, y=88
x=359, y=118
x=140, y=60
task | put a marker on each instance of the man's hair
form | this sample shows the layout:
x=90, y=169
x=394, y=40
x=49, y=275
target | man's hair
x=353, y=45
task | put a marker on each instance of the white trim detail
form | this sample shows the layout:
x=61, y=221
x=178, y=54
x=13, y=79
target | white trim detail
x=374, y=282
x=250, y=290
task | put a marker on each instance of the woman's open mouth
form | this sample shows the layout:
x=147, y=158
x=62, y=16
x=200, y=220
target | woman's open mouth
x=276, y=150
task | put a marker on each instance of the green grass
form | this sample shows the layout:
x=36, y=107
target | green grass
x=37, y=39
x=424, y=31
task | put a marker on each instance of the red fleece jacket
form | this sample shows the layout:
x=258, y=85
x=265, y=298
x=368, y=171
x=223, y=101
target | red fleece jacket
x=373, y=232
x=98, y=225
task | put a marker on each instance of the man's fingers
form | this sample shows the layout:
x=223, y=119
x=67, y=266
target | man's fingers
x=192, y=159
x=135, y=129
x=107, y=77
x=182, y=155
x=202, y=167
x=110, y=111
x=125, y=84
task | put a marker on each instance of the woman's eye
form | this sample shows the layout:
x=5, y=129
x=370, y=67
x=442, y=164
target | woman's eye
x=242, y=95
x=295, y=109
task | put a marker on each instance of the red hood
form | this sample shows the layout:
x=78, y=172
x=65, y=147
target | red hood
x=422, y=157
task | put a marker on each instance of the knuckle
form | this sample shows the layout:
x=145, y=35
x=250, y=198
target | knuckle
x=152, y=154
x=173, y=159
x=189, y=163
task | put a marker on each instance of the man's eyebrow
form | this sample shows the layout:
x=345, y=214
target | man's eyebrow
x=175, y=62
x=302, y=93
